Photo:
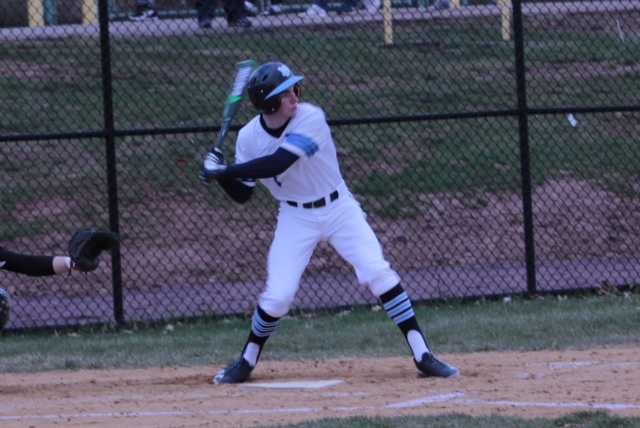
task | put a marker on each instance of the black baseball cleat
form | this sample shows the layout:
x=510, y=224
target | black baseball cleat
x=431, y=366
x=237, y=372
x=240, y=22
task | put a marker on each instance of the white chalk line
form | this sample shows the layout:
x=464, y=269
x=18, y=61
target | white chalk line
x=607, y=406
x=580, y=364
x=453, y=398
x=159, y=414
x=426, y=400
x=561, y=366
x=4, y=408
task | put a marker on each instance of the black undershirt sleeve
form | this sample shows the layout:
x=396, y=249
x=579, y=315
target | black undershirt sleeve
x=263, y=167
x=237, y=190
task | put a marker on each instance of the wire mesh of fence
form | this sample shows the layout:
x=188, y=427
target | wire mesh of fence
x=493, y=147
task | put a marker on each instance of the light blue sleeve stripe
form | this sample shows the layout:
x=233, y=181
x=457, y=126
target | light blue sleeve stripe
x=306, y=144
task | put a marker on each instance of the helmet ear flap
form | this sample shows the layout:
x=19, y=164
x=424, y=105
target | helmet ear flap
x=271, y=105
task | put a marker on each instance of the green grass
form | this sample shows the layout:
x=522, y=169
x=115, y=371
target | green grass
x=55, y=86
x=466, y=72
x=574, y=420
x=580, y=322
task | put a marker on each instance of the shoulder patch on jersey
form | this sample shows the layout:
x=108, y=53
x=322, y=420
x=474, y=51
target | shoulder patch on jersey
x=309, y=147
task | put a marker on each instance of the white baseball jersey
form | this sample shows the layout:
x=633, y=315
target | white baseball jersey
x=340, y=221
x=315, y=175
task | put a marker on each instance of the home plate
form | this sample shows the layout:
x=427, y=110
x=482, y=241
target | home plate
x=303, y=384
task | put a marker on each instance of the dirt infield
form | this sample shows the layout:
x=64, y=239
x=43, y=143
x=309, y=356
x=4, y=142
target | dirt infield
x=526, y=384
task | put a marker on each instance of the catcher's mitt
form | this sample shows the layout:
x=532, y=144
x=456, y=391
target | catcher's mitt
x=5, y=308
x=86, y=245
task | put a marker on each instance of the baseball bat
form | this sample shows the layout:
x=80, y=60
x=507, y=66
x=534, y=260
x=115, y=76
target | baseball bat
x=243, y=72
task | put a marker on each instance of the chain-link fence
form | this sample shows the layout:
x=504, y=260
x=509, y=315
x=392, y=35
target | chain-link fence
x=494, y=147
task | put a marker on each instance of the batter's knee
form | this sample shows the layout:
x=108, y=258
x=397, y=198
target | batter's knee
x=275, y=304
x=384, y=282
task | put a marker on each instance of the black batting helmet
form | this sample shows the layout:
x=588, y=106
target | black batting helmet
x=5, y=308
x=266, y=82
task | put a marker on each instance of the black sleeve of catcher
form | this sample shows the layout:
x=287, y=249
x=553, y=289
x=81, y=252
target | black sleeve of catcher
x=26, y=264
x=264, y=167
x=238, y=191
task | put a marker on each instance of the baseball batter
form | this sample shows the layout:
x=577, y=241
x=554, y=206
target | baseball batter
x=289, y=148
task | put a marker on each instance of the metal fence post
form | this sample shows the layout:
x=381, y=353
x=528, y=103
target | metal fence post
x=109, y=138
x=525, y=160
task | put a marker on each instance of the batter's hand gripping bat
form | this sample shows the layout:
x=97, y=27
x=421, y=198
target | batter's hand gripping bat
x=243, y=72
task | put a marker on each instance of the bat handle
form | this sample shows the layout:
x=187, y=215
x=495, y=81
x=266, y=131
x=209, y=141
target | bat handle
x=223, y=134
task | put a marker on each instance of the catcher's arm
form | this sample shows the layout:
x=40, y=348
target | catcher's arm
x=33, y=265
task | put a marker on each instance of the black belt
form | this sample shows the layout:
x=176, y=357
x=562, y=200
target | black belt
x=317, y=204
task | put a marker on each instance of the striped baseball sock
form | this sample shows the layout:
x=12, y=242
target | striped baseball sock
x=398, y=306
x=263, y=326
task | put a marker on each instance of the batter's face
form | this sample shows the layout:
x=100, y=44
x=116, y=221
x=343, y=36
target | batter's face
x=289, y=102
x=288, y=108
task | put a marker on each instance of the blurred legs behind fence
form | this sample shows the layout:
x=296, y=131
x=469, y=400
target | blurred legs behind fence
x=46, y=12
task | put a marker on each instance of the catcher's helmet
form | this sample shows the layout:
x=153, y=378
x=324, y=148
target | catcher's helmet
x=5, y=308
x=266, y=82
